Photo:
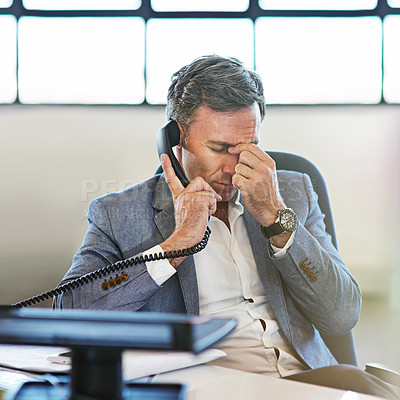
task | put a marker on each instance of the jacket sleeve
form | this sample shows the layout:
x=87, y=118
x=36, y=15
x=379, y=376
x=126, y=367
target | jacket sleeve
x=315, y=275
x=100, y=249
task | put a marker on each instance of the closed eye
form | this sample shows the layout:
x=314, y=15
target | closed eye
x=218, y=147
x=218, y=150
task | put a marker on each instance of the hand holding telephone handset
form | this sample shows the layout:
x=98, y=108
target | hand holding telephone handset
x=167, y=137
x=194, y=202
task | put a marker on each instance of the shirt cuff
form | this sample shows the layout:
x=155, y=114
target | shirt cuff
x=159, y=270
x=278, y=252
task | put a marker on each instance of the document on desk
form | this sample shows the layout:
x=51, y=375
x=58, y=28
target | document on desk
x=30, y=358
x=135, y=363
x=138, y=364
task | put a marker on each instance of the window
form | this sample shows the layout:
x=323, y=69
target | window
x=318, y=4
x=8, y=59
x=391, y=82
x=169, y=47
x=5, y=3
x=340, y=64
x=81, y=60
x=82, y=4
x=203, y=5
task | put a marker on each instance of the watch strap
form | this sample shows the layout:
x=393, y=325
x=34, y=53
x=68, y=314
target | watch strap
x=272, y=230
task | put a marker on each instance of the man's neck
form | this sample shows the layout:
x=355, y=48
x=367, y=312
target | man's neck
x=222, y=212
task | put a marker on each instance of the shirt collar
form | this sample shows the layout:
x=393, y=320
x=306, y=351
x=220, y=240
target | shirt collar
x=235, y=209
x=234, y=205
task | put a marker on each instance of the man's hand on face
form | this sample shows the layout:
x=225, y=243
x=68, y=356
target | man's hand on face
x=193, y=205
x=257, y=181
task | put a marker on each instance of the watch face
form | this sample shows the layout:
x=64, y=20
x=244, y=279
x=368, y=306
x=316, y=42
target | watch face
x=288, y=220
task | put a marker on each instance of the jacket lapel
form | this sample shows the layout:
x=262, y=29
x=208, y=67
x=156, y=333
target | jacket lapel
x=269, y=273
x=165, y=222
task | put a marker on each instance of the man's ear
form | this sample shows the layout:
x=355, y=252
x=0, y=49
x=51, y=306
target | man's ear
x=182, y=135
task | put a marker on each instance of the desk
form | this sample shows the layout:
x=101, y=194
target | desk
x=203, y=382
x=209, y=382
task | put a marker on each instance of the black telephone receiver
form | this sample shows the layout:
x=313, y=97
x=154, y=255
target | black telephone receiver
x=167, y=137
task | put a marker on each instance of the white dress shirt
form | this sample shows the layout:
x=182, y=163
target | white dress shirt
x=230, y=287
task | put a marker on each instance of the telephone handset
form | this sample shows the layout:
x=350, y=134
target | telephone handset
x=167, y=137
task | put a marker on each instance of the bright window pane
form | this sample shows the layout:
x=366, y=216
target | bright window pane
x=5, y=3
x=173, y=43
x=81, y=60
x=394, y=3
x=200, y=5
x=391, y=80
x=320, y=60
x=82, y=4
x=8, y=59
x=318, y=4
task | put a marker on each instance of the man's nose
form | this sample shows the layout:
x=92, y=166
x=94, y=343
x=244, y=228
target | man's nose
x=230, y=162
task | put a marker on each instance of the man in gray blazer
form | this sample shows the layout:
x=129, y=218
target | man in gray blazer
x=269, y=262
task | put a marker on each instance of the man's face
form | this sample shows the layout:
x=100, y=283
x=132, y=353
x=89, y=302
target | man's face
x=204, y=150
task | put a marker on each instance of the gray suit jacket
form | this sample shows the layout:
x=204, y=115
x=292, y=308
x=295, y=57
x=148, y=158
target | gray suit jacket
x=310, y=289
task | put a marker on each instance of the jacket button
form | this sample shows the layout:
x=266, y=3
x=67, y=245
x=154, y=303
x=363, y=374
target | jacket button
x=105, y=285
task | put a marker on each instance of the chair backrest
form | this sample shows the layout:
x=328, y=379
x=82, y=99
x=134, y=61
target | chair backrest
x=293, y=162
x=342, y=347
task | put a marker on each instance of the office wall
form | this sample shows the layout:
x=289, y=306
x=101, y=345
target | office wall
x=55, y=159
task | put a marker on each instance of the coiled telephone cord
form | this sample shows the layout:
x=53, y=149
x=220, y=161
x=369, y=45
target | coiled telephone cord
x=118, y=266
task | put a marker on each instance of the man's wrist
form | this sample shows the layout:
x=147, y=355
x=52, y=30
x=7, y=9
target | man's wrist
x=279, y=252
x=170, y=246
x=280, y=241
x=272, y=217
